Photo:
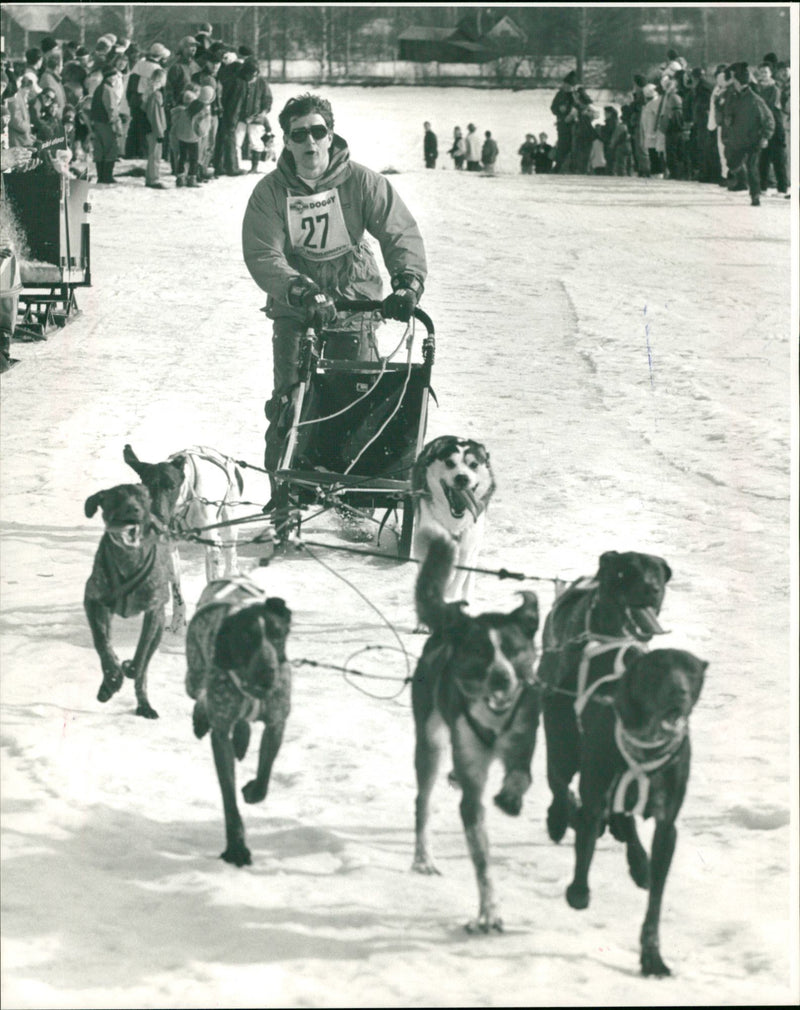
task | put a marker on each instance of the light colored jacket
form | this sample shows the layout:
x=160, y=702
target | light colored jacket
x=369, y=204
x=474, y=146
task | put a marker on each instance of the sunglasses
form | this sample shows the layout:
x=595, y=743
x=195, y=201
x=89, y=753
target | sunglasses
x=318, y=131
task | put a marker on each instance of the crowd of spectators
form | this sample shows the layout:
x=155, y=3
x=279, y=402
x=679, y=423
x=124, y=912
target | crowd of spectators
x=202, y=110
x=731, y=130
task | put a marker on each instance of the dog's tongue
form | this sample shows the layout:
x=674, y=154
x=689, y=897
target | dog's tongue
x=470, y=501
x=646, y=620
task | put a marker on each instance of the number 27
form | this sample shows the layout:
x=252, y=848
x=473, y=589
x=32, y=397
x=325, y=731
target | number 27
x=307, y=224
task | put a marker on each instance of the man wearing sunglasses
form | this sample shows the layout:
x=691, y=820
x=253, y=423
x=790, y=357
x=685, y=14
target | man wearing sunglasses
x=304, y=243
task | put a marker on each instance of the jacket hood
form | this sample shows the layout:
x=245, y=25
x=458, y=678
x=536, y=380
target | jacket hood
x=337, y=171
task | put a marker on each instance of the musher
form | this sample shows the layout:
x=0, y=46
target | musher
x=304, y=244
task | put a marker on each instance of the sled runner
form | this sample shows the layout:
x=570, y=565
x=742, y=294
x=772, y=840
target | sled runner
x=356, y=429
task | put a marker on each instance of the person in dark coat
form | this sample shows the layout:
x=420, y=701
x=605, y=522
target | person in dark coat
x=543, y=158
x=430, y=147
x=564, y=108
x=774, y=154
x=527, y=153
x=631, y=116
x=750, y=125
x=702, y=139
x=489, y=153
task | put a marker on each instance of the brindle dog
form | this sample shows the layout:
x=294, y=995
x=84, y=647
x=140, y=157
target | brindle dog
x=238, y=673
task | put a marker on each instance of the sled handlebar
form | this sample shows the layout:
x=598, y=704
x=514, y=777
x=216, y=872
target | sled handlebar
x=371, y=305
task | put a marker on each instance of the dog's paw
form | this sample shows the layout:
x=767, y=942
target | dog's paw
x=237, y=854
x=578, y=896
x=128, y=669
x=200, y=723
x=146, y=710
x=426, y=866
x=557, y=820
x=109, y=688
x=639, y=866
x=491, y=923
x=254, y=792
x=652, y=964
x=509, y=802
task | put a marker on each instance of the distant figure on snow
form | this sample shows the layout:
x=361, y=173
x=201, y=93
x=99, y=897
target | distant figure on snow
x=473, y=142
x=527, y=153
x=489, y=153
x=458, y=152
x=430, y=147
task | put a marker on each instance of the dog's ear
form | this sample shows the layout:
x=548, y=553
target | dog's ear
x=131, y=459
x=93, y=503
x=696, y=670
x=667, y=570
x=527, y=615
x=609, y=563
x=179, y=462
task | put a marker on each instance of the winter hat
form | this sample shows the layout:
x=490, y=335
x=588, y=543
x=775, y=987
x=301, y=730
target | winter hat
x=250, y=66
x=228, y=57
x=206, y=95
x=187, y=40
x=741, y=71
x=47, y=45
x=158, y=52
x=571, y=78
x=103, y=44
x=204, y=29
x=649, y=91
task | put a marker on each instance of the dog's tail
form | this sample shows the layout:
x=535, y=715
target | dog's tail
x=432, y=581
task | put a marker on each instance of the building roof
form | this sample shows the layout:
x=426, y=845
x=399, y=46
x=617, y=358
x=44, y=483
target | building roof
x=40, y=17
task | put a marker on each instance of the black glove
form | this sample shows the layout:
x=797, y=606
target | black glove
x=401, y=303
x=319, y=308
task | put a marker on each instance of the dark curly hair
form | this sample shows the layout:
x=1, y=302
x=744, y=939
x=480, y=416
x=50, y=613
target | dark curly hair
x=304, y=105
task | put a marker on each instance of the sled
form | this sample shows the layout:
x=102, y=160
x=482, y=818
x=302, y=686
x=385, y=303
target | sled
x=52, y=211
x=356, y=429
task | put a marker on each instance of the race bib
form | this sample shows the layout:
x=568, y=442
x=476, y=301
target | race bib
x=316, y=226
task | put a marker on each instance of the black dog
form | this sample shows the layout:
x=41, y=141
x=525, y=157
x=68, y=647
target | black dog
x=635, y=728
x=238, y=673
x=621, y=605
x=474, y=678
x=130, y=576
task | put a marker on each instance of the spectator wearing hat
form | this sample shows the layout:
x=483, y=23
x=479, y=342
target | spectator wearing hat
x=74, y=75
x=103, y=50
x=252, y=123
x=584, y=133
x=565, y=108
x=648, y=137
x=107, y=128
x=136, y=144
x=156, y=125
x=750, y=125
x=191, y=123
x=210, y=63
x=49, y=45
x=50, y=77
x=669, y=128
x=774, y=154
x=179, y=77
x=617, y=148
x=527, y=154
x=203, y=38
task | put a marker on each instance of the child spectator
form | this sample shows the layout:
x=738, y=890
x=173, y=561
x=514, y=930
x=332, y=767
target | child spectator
x=616, y=143
x=191, y=122
x=544, y=156
x=527, y=153
x=156, y=125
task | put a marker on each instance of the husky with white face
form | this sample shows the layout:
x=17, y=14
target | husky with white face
x=452, y=482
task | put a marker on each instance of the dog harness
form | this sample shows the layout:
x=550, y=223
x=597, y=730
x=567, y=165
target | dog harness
x=486, y=734
x=188, y=493
x=643, y=758
x=591, y=651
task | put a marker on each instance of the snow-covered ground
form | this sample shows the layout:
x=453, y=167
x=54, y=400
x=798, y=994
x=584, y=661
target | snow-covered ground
x=624, y=349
